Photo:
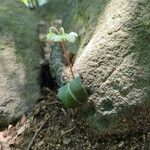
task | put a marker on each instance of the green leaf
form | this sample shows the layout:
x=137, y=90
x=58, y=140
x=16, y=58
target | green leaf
x=64, y=36
x=50, y=35
x=73, y=34
x=71, y=37
x=25, y=2
x=56, y=38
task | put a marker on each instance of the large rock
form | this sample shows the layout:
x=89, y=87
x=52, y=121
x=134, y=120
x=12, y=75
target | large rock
x=19, y=60
x=114, y=61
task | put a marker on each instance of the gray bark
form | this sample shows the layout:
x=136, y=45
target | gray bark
x=19, y=60
x=115, y=63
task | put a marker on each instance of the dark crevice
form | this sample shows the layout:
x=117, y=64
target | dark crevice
x=46, y=79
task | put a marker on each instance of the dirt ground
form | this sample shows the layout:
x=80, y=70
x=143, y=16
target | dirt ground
x=51, y=126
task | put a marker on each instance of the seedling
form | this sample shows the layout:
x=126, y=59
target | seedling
x=62, y=37
x=73, y=93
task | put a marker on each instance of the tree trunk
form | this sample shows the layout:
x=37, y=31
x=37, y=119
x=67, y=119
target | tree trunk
x=114, y=60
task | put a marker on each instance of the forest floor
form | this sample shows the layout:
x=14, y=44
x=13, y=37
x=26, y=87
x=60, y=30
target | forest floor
x=51, y=126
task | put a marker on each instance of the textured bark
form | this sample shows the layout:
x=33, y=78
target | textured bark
x=113, y=53
x=115, y=64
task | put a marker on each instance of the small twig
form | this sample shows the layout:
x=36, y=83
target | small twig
x=54, y=102
x=36, y=133
x=68, y=131
x=64, y=49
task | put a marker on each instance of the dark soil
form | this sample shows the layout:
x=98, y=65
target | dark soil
x=63, y=129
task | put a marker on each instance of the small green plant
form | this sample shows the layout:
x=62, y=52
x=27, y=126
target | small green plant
x=30, y=3
x=34, y=3
x=62, y=37
x=73, y=93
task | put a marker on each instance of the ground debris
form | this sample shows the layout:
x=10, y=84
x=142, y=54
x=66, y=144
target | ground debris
x=62, y=130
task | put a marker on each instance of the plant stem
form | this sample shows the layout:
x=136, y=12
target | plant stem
x=64, y=49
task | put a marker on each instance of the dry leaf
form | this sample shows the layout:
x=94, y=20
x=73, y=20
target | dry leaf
x=22, y=129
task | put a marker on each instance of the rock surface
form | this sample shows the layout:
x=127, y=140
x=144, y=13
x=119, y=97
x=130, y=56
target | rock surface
x=19, y=60
x=115, y=63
